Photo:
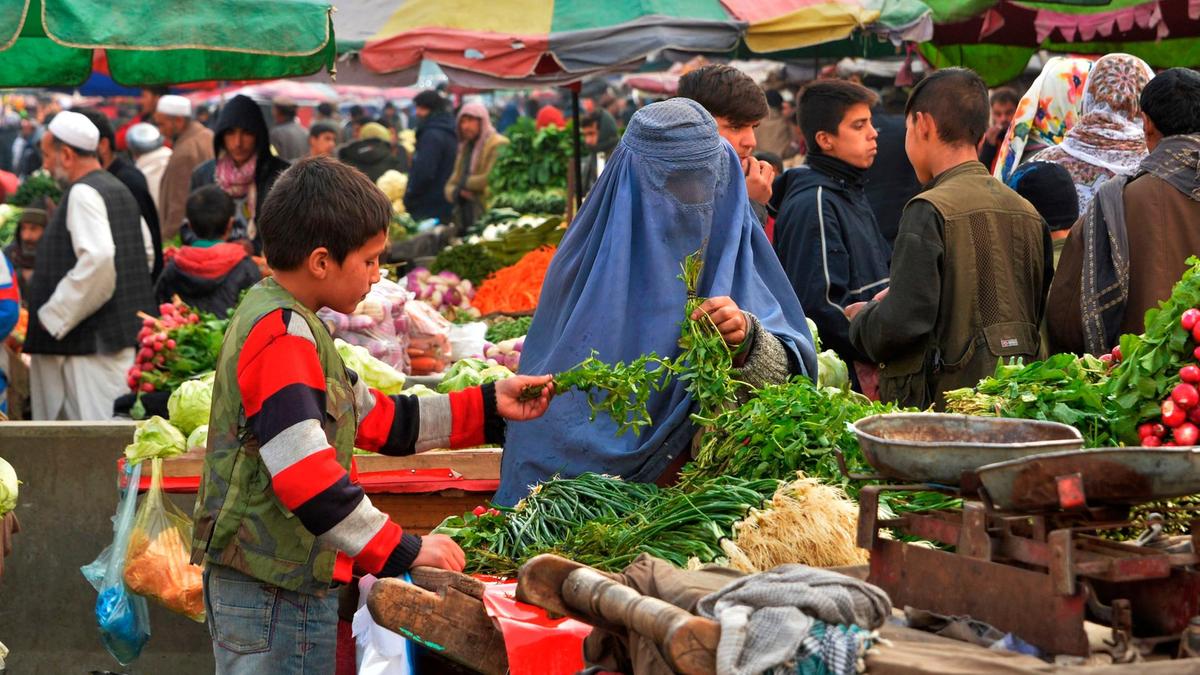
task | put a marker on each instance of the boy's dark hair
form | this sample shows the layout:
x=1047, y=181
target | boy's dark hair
x=319, y=128
x=725, y=91
x=357, y=112
x=103, y=125
x=1005, y=95
x=208, y=212
x=325, y=109
x=1172, y=101
x=823, y=105
x=957, y=100
x=1051, y=190
x=591, y=119
x=320, y=202
x=430, y=100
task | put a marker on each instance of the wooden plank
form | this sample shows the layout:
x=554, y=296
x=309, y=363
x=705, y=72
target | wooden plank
x=475, y=464
x=421, y=512
x=456, y=624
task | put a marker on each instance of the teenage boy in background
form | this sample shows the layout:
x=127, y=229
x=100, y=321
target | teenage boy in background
x=825, y=234
x=279, y=523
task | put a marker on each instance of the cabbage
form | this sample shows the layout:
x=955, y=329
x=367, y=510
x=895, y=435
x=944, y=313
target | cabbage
x=198, y=438
x=420, y=390
x=8, y=487
x=471, y=373
x=189, y=405
x=812, y=328
x=374, y=372
x=155, y=437
x=832, y=371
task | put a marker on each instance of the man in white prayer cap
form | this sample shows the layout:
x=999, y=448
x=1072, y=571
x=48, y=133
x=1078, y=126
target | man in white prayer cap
x=90, y=279
x=192, y=145
x=150, y=154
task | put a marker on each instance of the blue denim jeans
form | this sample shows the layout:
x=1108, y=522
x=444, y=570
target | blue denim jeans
x=260, y=629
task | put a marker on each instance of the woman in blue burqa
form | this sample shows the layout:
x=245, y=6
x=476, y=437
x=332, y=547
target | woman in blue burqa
x=671, y=188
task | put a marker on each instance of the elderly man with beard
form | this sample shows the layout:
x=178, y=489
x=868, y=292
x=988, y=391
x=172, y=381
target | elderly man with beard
x=91, y=277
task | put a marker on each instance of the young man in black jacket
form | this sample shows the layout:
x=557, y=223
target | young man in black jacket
x=433, y=159
x=826, y=235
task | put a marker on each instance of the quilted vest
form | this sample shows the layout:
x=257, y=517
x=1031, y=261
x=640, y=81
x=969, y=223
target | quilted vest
x=240, y=522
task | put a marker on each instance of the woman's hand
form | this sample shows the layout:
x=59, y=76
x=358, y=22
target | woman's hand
x=512, y=406
x=727, y=317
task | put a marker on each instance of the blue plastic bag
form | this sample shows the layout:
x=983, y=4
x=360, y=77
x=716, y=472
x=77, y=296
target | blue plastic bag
x=123, y=618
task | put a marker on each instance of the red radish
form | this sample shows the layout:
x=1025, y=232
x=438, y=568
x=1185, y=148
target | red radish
x=1185, y=395
x=479, y=511
x=1189, y=318
x=146, y=354
x=1116, y=353
x=1196, y=332
x=1194, y=415
x=1160, y=430
x=1186, y=434
x=1145, y=430
x=1107, y=358
x=170, y=344
x=1196, y=354
x=166, y=309
x=1152, y=442
x=1190, y=374
x=493, y=512
x=1172, y=414
x=1170, y=444
x=147, y=387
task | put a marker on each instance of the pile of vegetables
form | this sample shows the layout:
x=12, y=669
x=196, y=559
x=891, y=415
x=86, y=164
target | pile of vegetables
x=190, y=404
x=379, y=324
x=506, y=328
x=393, y=184
x=507, y=353
x=507, y=241
x=444, y=291
x=515, y=289
x=471, y=262
x=8, y=487
x=606, y=522
x=376, y=373
x=10, y=218
x=471, y=373
x=1063, y=388
x=553, y=200
x=175, y=346
x=39, y=184
x=156, y=437
x=534, y=160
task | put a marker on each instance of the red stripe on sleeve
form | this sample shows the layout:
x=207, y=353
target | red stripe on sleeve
x=374, y=429
x=305, y=479
x=376, y=552
x=466, y=418
x=343, y=568
x=287, y=360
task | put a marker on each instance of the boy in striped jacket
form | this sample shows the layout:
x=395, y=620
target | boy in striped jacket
x=280, y=522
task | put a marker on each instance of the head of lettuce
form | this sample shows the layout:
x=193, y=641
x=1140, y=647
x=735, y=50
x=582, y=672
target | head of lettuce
x=8, y=487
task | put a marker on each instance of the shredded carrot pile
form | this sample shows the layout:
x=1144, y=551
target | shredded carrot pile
x=516, y=288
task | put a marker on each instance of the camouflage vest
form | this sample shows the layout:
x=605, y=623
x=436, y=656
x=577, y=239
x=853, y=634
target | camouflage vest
x=240, y=523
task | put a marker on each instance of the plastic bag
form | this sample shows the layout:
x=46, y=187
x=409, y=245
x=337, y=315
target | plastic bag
x=429, y=339
x=158, y=562
x=123, y=618
x=379, y=324
x=379, y=650
x=467, y=340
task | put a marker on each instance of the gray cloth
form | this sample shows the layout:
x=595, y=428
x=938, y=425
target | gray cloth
x=767, y=619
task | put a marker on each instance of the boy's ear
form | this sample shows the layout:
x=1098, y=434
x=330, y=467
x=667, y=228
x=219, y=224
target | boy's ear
x=319, y=262
x=926, y=126
x=823, y=140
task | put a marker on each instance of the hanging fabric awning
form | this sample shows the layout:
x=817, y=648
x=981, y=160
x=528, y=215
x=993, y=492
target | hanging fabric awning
x=53, y=42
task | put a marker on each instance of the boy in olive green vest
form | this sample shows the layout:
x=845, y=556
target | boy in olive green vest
x=280, y=524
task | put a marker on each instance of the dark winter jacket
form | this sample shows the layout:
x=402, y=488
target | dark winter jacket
x=128, y=173
x=831, y=248
x=373, y=157
x=241, y=113
x=208, y=278
x=432, y=164
x=891, y=181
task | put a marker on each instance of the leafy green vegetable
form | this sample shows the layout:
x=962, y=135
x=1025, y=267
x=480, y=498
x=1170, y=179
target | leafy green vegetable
x=37, y=185
x=533, y=159
x=190, y=403
x=1063, y=388
x=471, y=373
x=606, y=522
x=155, y=437
x=376, y=373
x=8, y=487
x=198, y=438
x=469, y=261
x=508, y=329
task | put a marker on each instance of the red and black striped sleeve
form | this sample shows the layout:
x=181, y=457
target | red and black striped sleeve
x=283, y=393
x=402, y=425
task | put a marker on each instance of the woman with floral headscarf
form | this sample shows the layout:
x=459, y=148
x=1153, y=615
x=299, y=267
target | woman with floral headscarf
x=1108, y=139
x=1045, y=114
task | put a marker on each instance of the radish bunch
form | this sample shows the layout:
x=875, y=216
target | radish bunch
x=154, y=341
x=506, y=353
x=1179, y=424
x=445, y=291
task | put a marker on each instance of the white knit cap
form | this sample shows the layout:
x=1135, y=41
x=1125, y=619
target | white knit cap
x=75, y=130
x=176, y=106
